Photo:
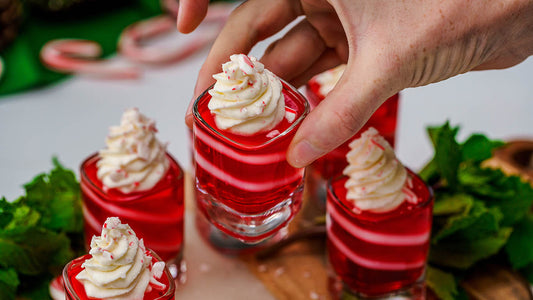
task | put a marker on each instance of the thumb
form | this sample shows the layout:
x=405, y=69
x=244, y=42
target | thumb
x=338, y=117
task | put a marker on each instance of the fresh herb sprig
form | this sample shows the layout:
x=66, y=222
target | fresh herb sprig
x=479, y=212
x=39, y=233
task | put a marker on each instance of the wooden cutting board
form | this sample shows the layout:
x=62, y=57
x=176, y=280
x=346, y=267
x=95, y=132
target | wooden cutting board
x=298, y=270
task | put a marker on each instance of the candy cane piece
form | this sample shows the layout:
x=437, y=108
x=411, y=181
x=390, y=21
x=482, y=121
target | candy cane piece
x=79, y=56
x=57, y=292
x=130, y=42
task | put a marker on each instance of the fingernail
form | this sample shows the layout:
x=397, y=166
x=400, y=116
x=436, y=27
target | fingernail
x=303, y=154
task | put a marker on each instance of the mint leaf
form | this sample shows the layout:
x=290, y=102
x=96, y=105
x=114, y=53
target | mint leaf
x=57, y=197
x=9, y=282
x=442, y=283
x=520, y=243
x=463, y=255
x=478, y=148
x=448, y=204
x=447, y=153
x=477, y=222
x=6, y=212
x=510, y=194
x=34, y=251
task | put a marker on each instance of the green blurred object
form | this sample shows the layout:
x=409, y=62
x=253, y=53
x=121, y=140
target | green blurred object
x=23, y=68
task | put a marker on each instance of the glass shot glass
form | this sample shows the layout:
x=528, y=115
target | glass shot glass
x=378, y=255
x=156, y=214
x=245, y=189
x=74, y=289
x=384, y=119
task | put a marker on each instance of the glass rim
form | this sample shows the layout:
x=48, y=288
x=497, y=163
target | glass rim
x=331, y=191
x=286, y=86
x=68, y=285
x=124, y=197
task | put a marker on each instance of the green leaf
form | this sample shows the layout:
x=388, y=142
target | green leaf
x=477, y=222
x=510, y=194
x=442, y=283
x=6, y=212
x=448, y=204
x=9, y=282
x=520, y=244
x=57, y=197
x=463, y=255
x=478, y=148
x=35, y=251
x=447, y=153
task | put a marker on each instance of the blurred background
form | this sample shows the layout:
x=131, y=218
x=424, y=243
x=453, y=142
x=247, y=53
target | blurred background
x=59, y=94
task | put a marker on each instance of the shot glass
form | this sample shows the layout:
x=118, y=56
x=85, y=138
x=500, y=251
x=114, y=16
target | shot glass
x=156, y=214
x=331, y=165
x=74, y=289
x=244, y=186
x=378, y=255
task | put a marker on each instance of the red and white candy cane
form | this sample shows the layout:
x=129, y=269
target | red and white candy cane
x=130, y=42
x=80, y=56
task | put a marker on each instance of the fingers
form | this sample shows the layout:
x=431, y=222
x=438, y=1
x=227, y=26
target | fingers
x=190, y=14
x=328, y=60
x=250, y=23
x=338, y=117
x=295, y=52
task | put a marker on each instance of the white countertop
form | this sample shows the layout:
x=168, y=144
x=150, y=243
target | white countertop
x=71, y=119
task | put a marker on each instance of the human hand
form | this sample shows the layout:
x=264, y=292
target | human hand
x=387, y=45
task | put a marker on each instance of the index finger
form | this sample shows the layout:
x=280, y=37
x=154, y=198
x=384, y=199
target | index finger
x=250, y=23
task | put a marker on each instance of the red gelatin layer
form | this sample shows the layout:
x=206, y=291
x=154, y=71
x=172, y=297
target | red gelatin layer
x=156, y=215
x=377, y=253
x=248, y=174
x=383, y=120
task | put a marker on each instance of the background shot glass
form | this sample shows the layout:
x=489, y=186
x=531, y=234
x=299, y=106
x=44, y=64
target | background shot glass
x=156, y=214
x=384, y=119
x=378, y=255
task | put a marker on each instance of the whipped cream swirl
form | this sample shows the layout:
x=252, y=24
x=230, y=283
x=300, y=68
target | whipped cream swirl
x=328, y=79
x=120, y=267
x=134, y=159
x=376, y=177
x=247, y=98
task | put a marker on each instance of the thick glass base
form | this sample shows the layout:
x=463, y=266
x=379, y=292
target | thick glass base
x=340, y=291
x=229, y=245
x=249, y=228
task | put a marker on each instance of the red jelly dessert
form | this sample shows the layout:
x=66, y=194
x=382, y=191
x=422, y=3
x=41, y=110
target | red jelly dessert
x=384, y=120
x=118, y=267
x=135, y=179
x=376, y=253
x=245, y=187
x=157, y=214
x=378, y=221
x=74, y=289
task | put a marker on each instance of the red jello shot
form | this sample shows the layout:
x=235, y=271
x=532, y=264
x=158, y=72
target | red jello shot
x=244, y=186
x=156, y=214
x=384, y=120
x=379, y=255
x=74, y=289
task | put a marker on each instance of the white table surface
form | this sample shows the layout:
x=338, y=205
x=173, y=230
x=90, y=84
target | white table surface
x=71, y=119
